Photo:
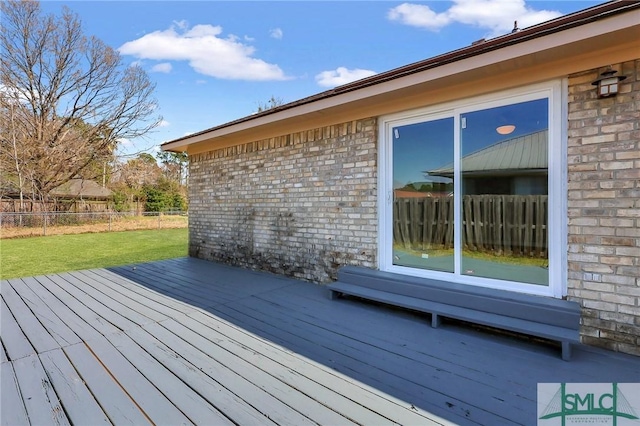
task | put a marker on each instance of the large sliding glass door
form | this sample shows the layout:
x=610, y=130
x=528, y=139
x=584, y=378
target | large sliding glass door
x=468, y=196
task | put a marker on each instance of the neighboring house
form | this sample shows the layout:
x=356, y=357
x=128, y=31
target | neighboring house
x=80, y=195
x=76, y=195
x=81, y=189
x=513, y=166
x=307, y=187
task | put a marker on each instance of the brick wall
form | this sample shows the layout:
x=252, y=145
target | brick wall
x=604, y=209
x=301, y=205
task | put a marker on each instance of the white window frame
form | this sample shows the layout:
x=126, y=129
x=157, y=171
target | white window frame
x=556, y=92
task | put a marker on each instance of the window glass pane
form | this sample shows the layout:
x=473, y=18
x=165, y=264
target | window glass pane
x=422, y=202
x=504, y=171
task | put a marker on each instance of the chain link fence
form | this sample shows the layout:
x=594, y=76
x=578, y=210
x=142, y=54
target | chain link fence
x=51, y=223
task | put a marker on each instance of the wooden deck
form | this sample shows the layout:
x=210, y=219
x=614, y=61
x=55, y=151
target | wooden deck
x=187, y=341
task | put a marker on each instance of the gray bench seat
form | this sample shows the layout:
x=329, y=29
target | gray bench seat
x=548, y=318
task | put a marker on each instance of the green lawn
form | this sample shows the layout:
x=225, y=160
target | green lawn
x=25, y=257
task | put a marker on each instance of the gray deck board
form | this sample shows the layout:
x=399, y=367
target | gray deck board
x=400, y=385
x=116, y=403
x=147, y=396
x=187, y=341
x=151, y=401
x=75, y=397
x=444, y=355
x=184, y=398
x=461, y=350
x=104, y=293
x=37, y=334
x=156, y=301
x=63, y=304
x=3, y=353
x=14, y=341
x=60, y=332
x=255, y=368
x=110, y=309
x=304, y=374
x=10, y=397
x=185, y=295
x=170, y=278
x=376, y=354
x=178, y=360
x=256, y=394
x=38, y=395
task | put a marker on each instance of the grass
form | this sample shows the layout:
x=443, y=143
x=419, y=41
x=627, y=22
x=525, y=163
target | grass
x=490, y=257
x=25, y=257
x=126, y=223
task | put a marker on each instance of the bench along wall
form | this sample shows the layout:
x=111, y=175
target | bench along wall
x=302, y=204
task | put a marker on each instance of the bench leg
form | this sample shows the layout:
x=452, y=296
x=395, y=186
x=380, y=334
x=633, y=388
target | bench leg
x=435, y=321
x=333, y=295
x=566, y=351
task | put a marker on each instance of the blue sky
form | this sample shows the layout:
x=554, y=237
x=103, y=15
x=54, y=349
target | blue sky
x=215, y=61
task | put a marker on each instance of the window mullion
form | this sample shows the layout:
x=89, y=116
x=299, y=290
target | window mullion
x=457, y=193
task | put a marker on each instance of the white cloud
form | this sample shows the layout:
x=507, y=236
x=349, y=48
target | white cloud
x=206, y=52
x=341, y=75
x=201, y=81
x=497, y=16
x=276, y=33
x=417, y=15
x=164, y=123
x=164, y=67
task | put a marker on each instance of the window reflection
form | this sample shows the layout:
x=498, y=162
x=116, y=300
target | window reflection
x=504, y=192
x=423, y=204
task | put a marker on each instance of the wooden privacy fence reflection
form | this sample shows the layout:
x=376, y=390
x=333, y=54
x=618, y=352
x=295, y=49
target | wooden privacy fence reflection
x=501, y=224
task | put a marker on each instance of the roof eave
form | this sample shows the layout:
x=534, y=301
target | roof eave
x=347, y=93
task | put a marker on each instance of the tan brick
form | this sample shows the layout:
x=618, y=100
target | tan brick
x=618, y=299
x=618, y=241
x=617, y=260
x=595, y=267
x=599, y=194
x=617, y=165
x=616, y=128
x=628, y=251
x=616, y=222
x=598, y=139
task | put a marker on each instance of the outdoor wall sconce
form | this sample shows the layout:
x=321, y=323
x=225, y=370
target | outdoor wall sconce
x=608, y=83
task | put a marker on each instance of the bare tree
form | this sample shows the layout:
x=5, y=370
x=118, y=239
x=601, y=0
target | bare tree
x=272, y=103
x=66, y=99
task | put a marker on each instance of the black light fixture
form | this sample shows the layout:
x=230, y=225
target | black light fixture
x=608, y=83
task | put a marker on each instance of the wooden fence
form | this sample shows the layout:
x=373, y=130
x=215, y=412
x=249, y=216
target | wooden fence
x=500, y=224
